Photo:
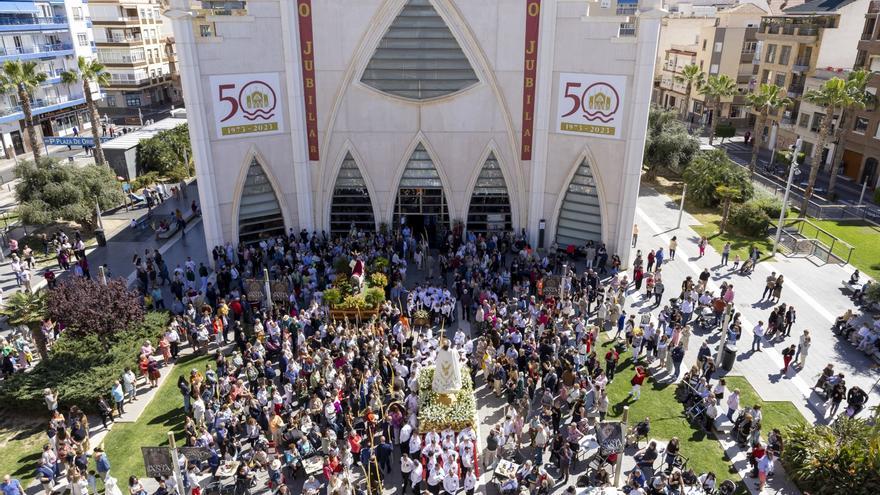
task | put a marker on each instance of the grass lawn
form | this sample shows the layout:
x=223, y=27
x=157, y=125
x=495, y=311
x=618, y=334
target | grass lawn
x=164, y=414
x=657, y=402
x=21, y=442
x=861, y=235
x=710, y=218
x=777, y=414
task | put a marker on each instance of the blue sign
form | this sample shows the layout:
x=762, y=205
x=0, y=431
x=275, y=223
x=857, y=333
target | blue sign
x=72, y=141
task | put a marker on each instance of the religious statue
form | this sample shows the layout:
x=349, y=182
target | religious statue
x=358, y=272
x=447, y=372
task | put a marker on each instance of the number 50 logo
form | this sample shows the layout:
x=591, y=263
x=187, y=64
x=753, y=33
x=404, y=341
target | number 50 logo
x=246, y=104
x=590, y=104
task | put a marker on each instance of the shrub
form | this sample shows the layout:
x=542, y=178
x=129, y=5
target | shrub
x=354, y=302
x=784, y=157
x=374, y=296
x=344, y=286
x=771, y=205
x=378, y=279
x=873, y=293
x=88, y=307
x=750, y=219
x=144, y=180
x=332, y=296
x=843, y=457
x=725, y=130
x=79, y=368
x=380, y=264
x=712, y=169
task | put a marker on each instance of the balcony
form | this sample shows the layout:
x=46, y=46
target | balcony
x=626, y=30
x=39, y=107
x=747, y=57
x=795, y=91
x=801, y=65
x=786, y=31
x=627, y=8
x=124, y=40
x=874, y=7
x=15, y=24
x=45, y=50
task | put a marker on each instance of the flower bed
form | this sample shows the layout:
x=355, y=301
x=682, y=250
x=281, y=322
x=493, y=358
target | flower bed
x=435, y=415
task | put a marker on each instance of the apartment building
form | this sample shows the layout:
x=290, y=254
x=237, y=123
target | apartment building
x=861, y=140
x=132, y=40
x=728, y=47
x=799, y=50
x=671, y=93
x=52, y=33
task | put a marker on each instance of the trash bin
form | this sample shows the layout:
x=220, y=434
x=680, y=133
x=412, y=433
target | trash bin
x=99, y=235
x=728, y=357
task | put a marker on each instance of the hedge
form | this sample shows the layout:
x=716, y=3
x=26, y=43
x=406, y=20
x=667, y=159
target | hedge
x=79, y=369
x=750, y=219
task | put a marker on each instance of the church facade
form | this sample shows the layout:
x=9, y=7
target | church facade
x=484, y=116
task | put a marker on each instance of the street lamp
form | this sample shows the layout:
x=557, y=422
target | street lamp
x=792, y=171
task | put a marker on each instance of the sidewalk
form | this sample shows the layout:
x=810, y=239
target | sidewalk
x=656, y=215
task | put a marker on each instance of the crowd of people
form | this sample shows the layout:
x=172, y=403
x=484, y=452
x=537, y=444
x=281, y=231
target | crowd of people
x=295, y=394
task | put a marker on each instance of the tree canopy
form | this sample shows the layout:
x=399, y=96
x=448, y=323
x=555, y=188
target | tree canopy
x=669, y=145
x=88, y=307
x=50, y=191
x=712, y=169
x=166, y=153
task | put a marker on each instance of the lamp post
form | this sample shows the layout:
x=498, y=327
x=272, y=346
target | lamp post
x=684, y=191
x=792, y=170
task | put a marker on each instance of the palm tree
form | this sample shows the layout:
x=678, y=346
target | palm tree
x=831, y=96
x=714, y=89
x=28, y=309
x=768, y=98
x=728, y=195
x=857, y=98
x=694, y=78
x=89, y=72
x=22, y=78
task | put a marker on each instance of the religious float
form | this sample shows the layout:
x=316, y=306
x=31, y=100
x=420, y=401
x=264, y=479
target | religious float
x=355, y=296
x=446, y=393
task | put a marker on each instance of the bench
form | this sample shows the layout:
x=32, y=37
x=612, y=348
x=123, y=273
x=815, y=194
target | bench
x=172, y=229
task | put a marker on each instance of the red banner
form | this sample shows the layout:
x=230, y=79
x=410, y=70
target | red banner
x=530, y=71
x=307, y=55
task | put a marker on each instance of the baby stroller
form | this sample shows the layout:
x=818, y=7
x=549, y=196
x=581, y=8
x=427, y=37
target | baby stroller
x=641, y=430
x=747, y=267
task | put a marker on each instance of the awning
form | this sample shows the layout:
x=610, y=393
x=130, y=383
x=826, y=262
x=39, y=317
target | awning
x=18, y=8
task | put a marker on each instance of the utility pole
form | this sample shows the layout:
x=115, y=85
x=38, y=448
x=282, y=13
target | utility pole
x=862, y=196
x=792, y=170
x=684, y=191
x=175, y=463
x=619, y=466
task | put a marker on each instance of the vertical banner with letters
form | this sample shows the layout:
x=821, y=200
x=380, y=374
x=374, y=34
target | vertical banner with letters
x=307, y=55
x=530, y=72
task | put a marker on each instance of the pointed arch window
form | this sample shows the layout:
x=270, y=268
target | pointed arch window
x=489, y=210
x=259, y=213
x=351, y=204
x=580, y=218
x=420, y=206
x=419, y=58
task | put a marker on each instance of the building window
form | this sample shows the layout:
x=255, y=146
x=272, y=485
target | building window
x=771, y=54
x=750, y=46
x=713, y=69
x=861, y=125
x=765, y=77
x=784, y=55
x=82, y=39
x=77, y=13
x=490, y=205
x=580, y=216
x=259, y=214
x=718, y=46
x=704, y=45
x=736, y=112
x=133, y=100
x=804, y=120
x=110, y=100
x=421, y=203
x=780, y=80
x=351, y=205
x=206, y=30
x=817, y=121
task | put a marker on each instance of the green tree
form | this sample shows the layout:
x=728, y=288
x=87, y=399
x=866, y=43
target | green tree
x=728, y=195
x=28, y=309
x=668, y=145
x=711, y=169
x=857, y=98
x=832, y=96
x=90, y=72
x=767, y=99
x=714, y=90
x=22, y=78
x=49, y=191
x=693, y=77
x=168, y=153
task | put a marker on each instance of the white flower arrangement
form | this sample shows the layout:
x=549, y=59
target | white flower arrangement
x=435, y=415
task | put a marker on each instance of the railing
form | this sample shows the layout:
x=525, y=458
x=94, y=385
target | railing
x=626, y=30
x=795, y=91
x=874, y=7
x=41, y=48
x=808, y=31
x=25, y=21
x=804, y=237
x=627, y=8
x=36, y=104
x=220, y=12
x=124, y=39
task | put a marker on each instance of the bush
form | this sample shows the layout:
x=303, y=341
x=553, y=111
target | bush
x=374, y=296
x=750, y=219
x=771, y=205
x=873, y=293
x=380, y=264
x=144, y=180
x=332, y=296
x=378, y=279
x=725, y=130
x=340, y=265
x=88, y=307
x=343, y=286
x=784, y=157
x=79, y=369
x=843, y=457
x=712, y=169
